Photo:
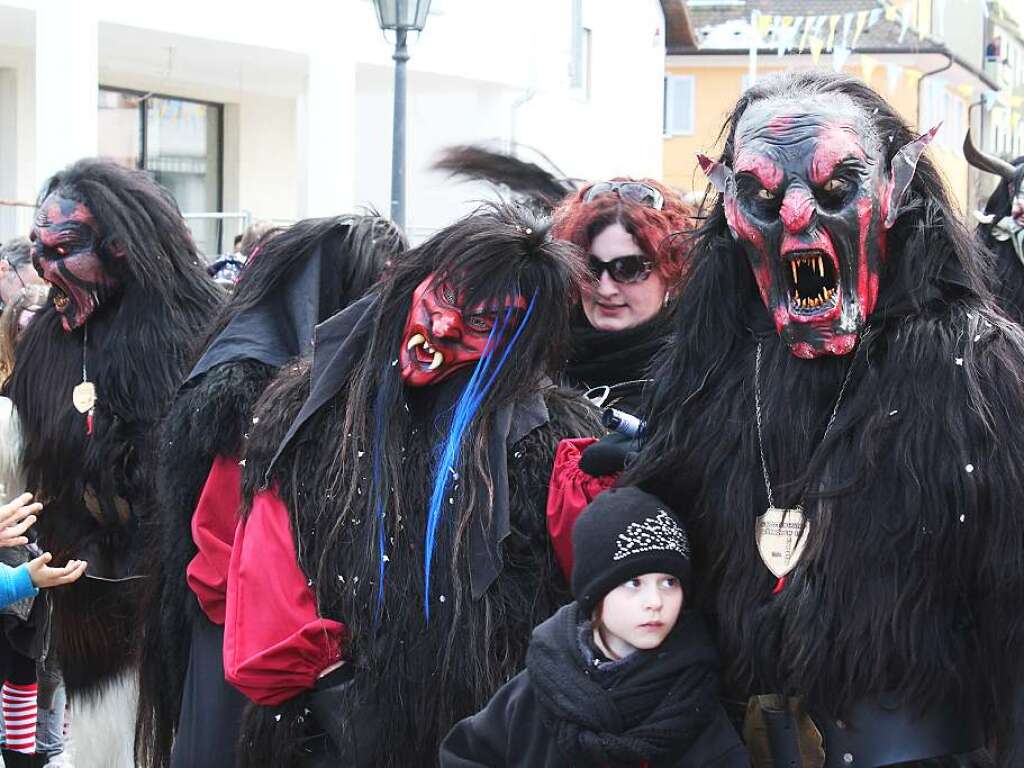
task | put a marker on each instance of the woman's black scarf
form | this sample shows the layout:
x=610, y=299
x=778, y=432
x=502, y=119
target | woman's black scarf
x=652, y=705
x=605, y=358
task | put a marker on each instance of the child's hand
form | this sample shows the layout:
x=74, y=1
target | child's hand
x=43, y=576
x=16, y=517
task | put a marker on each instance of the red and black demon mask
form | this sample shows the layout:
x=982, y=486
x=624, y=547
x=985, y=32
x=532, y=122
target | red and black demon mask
x=441, y=335
x=810, y=199
x=66, y=254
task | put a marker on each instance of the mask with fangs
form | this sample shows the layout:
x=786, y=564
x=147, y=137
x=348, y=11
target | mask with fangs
x=441, y=335
x=810, y=199
x=65, y=253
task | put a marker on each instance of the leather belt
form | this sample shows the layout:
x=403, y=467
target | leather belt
x=881, y=732
x=876, y=732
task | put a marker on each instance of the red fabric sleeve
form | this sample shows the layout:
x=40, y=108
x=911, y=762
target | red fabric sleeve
x=571, y=489
x=275, y=643
x=213, y=531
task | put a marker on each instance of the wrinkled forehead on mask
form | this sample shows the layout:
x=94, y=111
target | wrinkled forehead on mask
x=61, y=208
x=809, y=129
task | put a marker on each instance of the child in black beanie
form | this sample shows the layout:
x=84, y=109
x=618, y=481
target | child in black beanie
x=621, y=677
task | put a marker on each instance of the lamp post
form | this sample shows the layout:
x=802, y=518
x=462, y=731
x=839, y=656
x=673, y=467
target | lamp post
x=400, y=16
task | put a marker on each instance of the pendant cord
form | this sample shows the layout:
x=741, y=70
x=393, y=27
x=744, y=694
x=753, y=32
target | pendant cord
x=85, y=346
x=828, y=427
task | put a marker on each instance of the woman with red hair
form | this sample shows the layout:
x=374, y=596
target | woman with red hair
x=631, y=232
x=633, y=235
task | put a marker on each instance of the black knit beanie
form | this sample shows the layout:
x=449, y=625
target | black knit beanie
x=625, y=533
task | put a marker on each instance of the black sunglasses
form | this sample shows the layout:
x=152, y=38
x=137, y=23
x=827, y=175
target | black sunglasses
x=624, y=269
x=634, y=191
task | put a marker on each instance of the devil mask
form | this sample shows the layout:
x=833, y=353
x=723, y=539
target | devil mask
x=810, y=199
x=65, y=253
x=441, y=336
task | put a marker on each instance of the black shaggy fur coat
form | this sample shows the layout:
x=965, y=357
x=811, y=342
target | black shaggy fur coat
x=913, y=576
x=210, y=417
x=421, y=677
x=99, y=489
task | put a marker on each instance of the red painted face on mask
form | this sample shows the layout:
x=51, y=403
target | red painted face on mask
x=441, y=337
x=65, y=255
x=810, y=199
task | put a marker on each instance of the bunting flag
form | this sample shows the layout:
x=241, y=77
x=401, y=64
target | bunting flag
x=913, y=75
x=847, y=23
x=874, y=16
x=833, y=21
x=808, y=23
x=816, y=45
x=919, y=17
x=904, y=20
x=840, y=54
x=862, y=20
x=988, y=98
x=966, y=90
x=893, y=75
x=819, y=27
x=785, y=34
x=890, y=13
x=868, y=65
x=764, y=23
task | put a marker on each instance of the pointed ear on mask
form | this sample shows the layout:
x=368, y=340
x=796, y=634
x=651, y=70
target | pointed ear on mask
x=901, y=173
x=718, y=173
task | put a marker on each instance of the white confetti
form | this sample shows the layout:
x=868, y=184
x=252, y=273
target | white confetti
x=255, y=419
x=277, y=718
x=962, y=518
x=442, y=598
x=978, y=337
x=387, y=559
x=893, y=412
x=360, y=454
x=241, y=463
x=451, y=500
x=969, y=468
x=959, y=361
x=394, y=362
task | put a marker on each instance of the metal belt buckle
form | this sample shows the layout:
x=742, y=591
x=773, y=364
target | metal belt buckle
x=780, y=734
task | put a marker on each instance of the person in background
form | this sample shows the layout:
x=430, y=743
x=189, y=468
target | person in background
x=24, y=635
x=630, y=231
x=16, y=270
x=621, y=677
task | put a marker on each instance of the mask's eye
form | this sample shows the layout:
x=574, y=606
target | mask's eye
x=448, y=294
x=764, y=194
x=479, y=323
x=835, y=186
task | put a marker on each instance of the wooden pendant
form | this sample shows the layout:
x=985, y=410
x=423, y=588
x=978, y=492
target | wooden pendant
x=83, y=396
x=781, y=538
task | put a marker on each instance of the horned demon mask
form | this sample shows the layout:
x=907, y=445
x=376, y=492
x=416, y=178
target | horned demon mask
x=66, y=254
x=810, y=199
x=1007, y=224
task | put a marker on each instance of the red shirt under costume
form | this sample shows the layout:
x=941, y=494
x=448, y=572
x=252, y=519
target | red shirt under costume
x=275, y=642
x=213, y=531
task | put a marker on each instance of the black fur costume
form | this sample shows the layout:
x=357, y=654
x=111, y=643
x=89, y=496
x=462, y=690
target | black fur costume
x=299, y=277
x=422, y=676
x=913, y=577
x=140, y=342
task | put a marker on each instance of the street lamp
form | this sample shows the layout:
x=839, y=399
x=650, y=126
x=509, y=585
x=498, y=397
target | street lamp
x=400, y=16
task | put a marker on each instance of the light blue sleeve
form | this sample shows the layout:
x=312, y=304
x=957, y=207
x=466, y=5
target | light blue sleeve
x=15, y=583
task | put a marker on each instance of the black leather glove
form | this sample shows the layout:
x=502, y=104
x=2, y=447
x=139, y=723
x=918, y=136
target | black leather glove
x=354, y=730
x=609, y=455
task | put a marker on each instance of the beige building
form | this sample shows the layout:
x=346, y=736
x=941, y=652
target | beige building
x=933, y=71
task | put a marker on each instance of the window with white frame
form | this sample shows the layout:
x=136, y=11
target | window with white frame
x=680, y=96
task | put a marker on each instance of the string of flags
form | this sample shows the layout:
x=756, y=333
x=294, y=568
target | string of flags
x=840, y=34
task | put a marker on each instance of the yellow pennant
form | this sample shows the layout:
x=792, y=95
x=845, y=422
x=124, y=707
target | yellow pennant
x=832, y=22
x=862, y=20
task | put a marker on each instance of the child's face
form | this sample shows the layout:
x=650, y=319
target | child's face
x=639, y=614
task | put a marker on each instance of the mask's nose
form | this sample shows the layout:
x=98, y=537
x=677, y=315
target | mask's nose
x=797, y=211
x=445, y=324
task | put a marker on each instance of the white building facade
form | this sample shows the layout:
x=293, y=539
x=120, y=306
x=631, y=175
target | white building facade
x=283, y=110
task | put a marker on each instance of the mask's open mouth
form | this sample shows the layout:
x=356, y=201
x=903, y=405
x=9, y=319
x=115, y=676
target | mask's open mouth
x=59, y=298
x=424, y=353
x=812, y=282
